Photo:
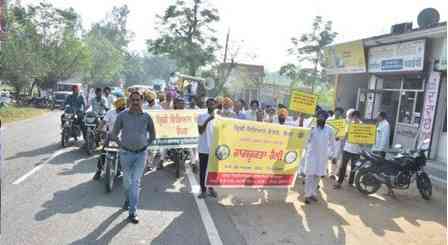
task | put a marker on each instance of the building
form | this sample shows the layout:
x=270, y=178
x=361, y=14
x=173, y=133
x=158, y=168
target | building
x=243, y=80
x=402, y=74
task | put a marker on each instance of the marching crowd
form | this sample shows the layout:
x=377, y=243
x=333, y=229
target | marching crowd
x=133, y=129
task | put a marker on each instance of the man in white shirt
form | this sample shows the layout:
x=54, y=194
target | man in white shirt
x=382, y=135
x=109, y=97
x=320, y=146
x=338, y=145
x=150, y=101
x=254, y=108
x=351, y=153
x=205, y=127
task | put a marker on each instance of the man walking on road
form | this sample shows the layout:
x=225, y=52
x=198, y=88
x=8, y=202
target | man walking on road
x=137, y=132
x=320, y=147
x=205, y=126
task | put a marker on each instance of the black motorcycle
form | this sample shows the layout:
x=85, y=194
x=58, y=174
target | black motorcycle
x=111, y=165
x=398, y=173
x=71, y=126
x=179, y=157
x=91, y=121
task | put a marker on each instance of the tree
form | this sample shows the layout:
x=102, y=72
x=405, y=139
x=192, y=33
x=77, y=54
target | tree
x=308, y=49
x=187, y=35
x=19, y=63
x=107, y=42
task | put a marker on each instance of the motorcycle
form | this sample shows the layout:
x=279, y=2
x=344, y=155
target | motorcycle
x=179, y=157
x=111, y=164
x=398, y=173
x=71, y=126
x=92, y=140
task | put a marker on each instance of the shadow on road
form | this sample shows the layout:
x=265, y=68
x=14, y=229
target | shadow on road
x=97, y=236
x=48, y=149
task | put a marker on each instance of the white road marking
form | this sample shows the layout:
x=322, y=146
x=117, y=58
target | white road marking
x=210, y=228
x=38, y=167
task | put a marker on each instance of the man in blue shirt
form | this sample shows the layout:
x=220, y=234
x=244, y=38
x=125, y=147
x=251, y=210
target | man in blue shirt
x=75, y=100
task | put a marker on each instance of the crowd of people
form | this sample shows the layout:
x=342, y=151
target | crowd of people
x=132, y=127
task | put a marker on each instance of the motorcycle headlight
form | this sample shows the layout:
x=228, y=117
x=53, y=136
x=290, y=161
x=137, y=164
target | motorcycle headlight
x=90, y=120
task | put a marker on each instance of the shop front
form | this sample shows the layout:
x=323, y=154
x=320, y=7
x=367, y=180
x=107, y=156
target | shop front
x=405, y=77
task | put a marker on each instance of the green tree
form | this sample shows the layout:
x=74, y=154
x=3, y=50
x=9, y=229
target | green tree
x=187, y=35
x=308, y=50
x=19, y=61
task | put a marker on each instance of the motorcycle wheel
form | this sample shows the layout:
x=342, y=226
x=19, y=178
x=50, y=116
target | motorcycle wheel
x=366, y=183
x=424, y=186
x=64, y=137
x=111, y=173
x=90, y=142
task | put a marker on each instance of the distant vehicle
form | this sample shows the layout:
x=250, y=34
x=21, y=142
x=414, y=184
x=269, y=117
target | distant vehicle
x=63, y=90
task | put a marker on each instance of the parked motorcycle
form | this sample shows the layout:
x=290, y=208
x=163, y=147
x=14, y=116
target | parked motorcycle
x=179, y=157
x=71, y=126
x=398, y=173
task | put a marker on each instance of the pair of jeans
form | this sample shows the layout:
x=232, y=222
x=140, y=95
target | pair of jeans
x=133, y=165
x=346, y=157
x=203, y=162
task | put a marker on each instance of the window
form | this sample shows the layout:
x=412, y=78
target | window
x=414, y=82
x=392, y=82
x=406, y=107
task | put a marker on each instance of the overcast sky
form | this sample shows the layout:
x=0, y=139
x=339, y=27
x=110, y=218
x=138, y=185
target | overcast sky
x=266, y=26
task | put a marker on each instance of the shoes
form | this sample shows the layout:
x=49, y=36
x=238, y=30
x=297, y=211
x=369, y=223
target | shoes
x=133, y=218
x=120, y=174
x=126, y=205
x=97, y=175
x=307, y=200
x=212, y=193
x=333, y=177
x=202, y=195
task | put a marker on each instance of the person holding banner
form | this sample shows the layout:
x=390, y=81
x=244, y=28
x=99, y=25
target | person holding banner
x=252, y=114
x=350, y=153
x=237, y=109
x=205, y=127
x=320, y=147
x=338, y=145
x=382, y=135
x=227, y=106
x=150, y=100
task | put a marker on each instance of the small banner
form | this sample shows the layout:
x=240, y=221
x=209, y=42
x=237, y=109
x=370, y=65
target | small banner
x=339, y=126
x=175, y=128
x=300, y=101
x=254, y=154
x=362, y=134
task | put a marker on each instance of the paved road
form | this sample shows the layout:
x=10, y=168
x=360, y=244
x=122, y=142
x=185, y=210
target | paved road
x=61, y=204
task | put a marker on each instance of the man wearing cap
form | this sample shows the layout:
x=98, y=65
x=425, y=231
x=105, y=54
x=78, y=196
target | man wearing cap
x=151, y=104
x=227, y=105
x=107, y=124
x=320, y=147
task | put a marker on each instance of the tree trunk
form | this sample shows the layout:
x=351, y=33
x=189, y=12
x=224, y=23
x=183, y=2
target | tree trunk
x=32, y=87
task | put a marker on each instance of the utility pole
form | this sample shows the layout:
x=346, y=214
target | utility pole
x=227, y=46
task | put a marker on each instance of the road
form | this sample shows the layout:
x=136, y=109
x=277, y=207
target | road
x=61, y=204
x=57, y=202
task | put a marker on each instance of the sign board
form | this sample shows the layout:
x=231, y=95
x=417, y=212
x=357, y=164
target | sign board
x=429, y=108
x=362, y=134
x=254, y=154
x=339, y=126
x=345, y=58
x=300, y=101
x=407, y=56
x=406, y=135
x=175, y=128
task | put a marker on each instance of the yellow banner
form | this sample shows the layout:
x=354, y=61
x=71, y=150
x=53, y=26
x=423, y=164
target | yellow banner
x=247, y=153
x=300, y=101
x=345, y=58
x=175, y=127
x=363, y=134
x=339, y=126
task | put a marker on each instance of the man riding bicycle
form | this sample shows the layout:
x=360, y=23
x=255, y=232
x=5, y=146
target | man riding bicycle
x=107, y=124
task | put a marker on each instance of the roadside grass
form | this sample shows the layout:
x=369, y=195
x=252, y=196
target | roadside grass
x=13, y=113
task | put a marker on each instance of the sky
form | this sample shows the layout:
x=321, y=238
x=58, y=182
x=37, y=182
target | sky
x=262, y=29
